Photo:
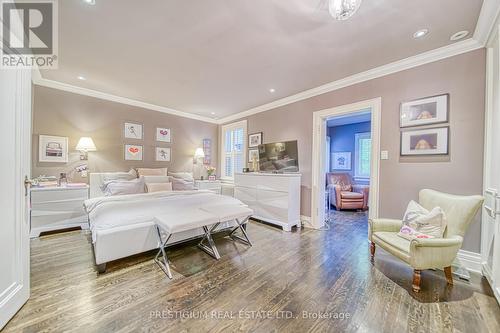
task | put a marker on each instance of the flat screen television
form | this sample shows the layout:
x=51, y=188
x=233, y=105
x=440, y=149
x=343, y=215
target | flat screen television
x=279, y=157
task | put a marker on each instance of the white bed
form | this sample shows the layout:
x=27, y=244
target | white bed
x=124, y=225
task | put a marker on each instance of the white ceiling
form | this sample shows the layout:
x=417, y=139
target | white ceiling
x=222, y=57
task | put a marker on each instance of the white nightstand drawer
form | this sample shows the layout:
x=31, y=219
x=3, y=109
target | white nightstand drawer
x=50, y=195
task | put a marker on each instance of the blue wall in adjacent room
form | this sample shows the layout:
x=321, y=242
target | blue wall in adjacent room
x=342, y=139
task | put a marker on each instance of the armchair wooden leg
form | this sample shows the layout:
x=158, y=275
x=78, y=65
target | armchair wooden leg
x=448, y=274
x=372, y=249
x=416, y=280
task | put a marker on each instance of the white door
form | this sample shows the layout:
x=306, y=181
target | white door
x=15, y=135
x=490, y=247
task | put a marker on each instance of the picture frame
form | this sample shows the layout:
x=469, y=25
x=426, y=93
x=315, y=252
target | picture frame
x=425, y=111
x=253, y=153
x=52, y=149
x=133, y=131
x=163, y=134
x=255, y=139
x=163, y=154
x=207, y=149
x=134, y=152
x=425, y=142
x=341, y=160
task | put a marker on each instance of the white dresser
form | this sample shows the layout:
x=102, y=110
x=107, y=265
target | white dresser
x=275, y=198
x=57, y=208
x=211, y=185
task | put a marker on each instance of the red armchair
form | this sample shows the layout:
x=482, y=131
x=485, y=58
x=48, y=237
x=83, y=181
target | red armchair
x=344, y=194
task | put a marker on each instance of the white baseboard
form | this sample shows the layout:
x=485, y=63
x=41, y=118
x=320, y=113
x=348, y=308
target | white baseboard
x=471, y=261
x=306, y=221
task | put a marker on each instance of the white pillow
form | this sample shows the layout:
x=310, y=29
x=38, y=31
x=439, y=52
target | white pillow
x=418, y=222
x=121, y=187
x=109, y=176
x=152, y=171
x=159, y=187
x=179, y=184
x=188, y=176
x=156, y=179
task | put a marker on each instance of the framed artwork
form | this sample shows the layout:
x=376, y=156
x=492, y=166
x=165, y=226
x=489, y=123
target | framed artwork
x=163, y=154
x=426, y=111
x=253, y=153
x=341, y=160
x=163, y=134
x=255, y=139
x=431, y=141
x=133, y=153
x=132, y=131
x=207, y=149
x=52, y=149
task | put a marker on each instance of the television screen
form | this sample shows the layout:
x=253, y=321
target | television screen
x=279, y=157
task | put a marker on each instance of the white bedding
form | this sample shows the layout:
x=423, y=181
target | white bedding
x=116, y=211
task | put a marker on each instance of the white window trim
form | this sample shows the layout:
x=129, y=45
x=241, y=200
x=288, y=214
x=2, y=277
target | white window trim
x=358, y=136
x=222, y=138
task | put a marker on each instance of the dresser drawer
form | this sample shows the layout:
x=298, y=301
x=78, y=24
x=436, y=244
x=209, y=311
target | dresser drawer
x=58, y=195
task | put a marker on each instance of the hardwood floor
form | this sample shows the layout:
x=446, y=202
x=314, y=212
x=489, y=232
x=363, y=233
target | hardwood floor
x=290, y=282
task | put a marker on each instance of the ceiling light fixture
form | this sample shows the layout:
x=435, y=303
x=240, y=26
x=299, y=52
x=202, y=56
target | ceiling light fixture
x=421, y=33
x=272, y=90
x=212, y=113
x=343, y=9
x=89, y=2
x=459, y=35
x=81, y=78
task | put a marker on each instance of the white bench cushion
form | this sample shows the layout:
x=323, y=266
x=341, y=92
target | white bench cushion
x=187, y=220
x=226, y=213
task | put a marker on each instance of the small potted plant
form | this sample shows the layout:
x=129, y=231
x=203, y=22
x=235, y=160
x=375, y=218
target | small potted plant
x=210, y=172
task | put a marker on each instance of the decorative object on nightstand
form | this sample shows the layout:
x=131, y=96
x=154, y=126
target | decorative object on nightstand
x=210, y=172
x=55, y=208
x=85, y=144
x=214, y=186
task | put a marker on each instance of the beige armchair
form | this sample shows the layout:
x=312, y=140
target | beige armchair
x=423, y=254
x=343, y=194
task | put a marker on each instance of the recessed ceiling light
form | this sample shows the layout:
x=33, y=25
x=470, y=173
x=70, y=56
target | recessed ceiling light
x=459, y=35
x=421, y=33
x=81, y=78
x=272, y=90
x=212, y=113
x=89, y=2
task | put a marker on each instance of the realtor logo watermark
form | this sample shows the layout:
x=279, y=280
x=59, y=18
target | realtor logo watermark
x=29, y=34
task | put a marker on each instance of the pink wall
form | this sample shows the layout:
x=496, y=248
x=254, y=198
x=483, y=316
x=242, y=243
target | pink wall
x=463, y=77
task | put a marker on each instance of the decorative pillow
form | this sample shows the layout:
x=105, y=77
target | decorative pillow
x=121, y=187
x=152, y=171
x=158, y=187
x=182, y=175
x=109, y=176
x=418, y=222
x=156, y=179
x=182, y=185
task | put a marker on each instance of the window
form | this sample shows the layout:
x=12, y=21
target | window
x=233, y=149
x=363, y=154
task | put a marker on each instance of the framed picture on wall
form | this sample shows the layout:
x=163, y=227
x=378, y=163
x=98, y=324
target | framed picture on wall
x=133, y=153
x=426, y=111
x=341, y=160
x=255, y=139
x=431, y=141
x=253, y=153
x=163, y=154
x=52, y=149
x=133, y=131
x=163, y=134
x=207, y=149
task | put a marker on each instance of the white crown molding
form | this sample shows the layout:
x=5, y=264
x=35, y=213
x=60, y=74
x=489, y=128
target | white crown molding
x=487, y=19
x=39, y=81
x=394, y=67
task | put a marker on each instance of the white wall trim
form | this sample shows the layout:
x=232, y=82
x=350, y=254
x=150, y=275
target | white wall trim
x=471, y=261
x=39, y=81
x=391, y=68
x=306, y=221
x=318, y=156
x=486, y=22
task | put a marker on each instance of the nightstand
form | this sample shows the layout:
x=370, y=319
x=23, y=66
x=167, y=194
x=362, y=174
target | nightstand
x=211, y=185
x=55, y=208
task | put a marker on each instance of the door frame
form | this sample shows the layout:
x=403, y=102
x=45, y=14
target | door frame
x=318, y=159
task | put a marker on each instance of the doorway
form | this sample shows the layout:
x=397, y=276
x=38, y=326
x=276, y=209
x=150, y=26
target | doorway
x=320, y=155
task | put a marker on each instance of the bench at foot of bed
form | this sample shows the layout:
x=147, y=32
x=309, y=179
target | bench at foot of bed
x=207, y=218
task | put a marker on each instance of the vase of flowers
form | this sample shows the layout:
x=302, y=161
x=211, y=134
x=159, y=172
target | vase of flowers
x=210, y=172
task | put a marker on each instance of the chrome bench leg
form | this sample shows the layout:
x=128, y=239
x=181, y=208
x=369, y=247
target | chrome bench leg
x=241, y=226
x=210, y=249
x=161, y=257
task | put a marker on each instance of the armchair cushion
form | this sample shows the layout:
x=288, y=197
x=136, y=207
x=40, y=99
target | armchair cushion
x=351, y=195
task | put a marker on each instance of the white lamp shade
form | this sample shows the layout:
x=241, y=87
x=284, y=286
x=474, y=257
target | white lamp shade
x=86, y=144
x=199, y=153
